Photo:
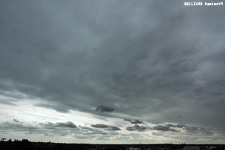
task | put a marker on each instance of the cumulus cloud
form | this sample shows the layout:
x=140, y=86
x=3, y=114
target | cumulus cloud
x=47, y=129
x=106, y=127
x=164, y=128
x=184, y=128
x=136, y=128
x=197, y=130
x=99, y=126
x=67, y=124
x=60, y=128
x=19, y=127
x=89, y=131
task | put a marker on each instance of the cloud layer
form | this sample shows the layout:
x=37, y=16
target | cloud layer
x=151, y=60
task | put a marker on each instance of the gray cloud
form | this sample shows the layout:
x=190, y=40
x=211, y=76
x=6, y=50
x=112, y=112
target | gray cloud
x=107, y=127
x=150, y=60
x=198, y=130
x=47, y=129
x=56, y=106
x=164, y=128
x=87, y=131
x=51, y=129
x=7, y=103
x=136, y=128
x=15, y=120
x=157, y=134
x=114, y=128
x=176, y=125
x=99, y=126
x=20, y=127
x=103, y=108
x=67, y=124
x=185, y=128
x=97, y=132
x=134, y=121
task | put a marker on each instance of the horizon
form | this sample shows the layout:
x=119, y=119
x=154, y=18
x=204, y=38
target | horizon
x=182, y=144
x=26, y=144
x=112, y=71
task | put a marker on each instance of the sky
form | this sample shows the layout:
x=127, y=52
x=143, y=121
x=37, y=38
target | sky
x=112, y=71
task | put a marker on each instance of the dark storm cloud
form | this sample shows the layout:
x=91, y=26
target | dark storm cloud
x=103, y=108
x=150, y=60
x=107, y=127
x=134, y=121
x=136, y=128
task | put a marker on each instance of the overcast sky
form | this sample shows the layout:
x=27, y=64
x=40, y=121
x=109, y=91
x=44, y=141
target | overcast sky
x=112, y=71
